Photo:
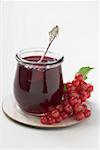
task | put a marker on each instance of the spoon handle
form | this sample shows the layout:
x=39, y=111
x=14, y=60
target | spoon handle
x=45, y=51
x=52, y=34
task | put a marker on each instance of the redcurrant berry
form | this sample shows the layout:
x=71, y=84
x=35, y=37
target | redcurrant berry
x=68, y=108
x=79, y=77
x=87, y=113
x=83, y=96
x=76, y=83
x=84, y=106
x=78, y=108
x=53, y=120
x=43, y=120
x=74, y=94
x=50, y=120
x=59, y=119
x=84, y=85
x=64, y=115
x=55, y=113
x=79, y=101
x=73, y=101
x=68, y=84
x=90, y=88
x=80, y=116
x=88, y=94
x=71, y=88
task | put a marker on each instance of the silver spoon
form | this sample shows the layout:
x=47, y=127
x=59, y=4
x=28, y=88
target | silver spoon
x=52, y=35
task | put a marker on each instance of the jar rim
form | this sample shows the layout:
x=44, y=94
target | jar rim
x=21, y=59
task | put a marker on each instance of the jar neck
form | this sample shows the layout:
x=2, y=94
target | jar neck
x=21, y=55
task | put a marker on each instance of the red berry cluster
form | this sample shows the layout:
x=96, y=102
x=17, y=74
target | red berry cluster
x=73, y=103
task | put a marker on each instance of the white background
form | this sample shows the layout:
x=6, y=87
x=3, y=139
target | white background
x=26, y=24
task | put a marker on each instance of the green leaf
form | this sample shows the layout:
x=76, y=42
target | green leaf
x=84, y=71
x=65, y=88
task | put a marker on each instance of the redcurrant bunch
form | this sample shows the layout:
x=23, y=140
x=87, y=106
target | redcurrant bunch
x=73, y=103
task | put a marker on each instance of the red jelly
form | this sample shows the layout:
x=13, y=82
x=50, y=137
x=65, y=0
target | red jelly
x=37, y=86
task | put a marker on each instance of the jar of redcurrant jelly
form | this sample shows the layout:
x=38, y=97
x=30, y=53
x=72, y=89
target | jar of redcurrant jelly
x=38, y=85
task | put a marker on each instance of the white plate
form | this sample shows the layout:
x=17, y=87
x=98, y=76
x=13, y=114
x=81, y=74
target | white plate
x=10, y=109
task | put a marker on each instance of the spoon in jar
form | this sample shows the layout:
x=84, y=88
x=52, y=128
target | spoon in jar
x=52, y=35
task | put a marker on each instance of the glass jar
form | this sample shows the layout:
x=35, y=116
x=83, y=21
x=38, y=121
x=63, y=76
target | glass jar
x=38, y=85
